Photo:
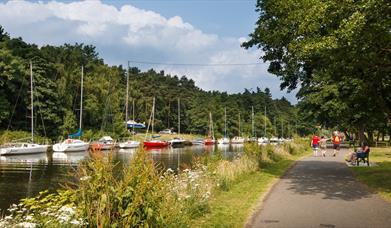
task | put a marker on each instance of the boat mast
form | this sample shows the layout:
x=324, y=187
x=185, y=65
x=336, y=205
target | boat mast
x=127, y=97
x=265, y=121
x=32, y=102
x=134, y=122
x=81, y=96
x=153, y=114
x=239, y=124
x=252, y=121
x=179, y=116
x=225, y=122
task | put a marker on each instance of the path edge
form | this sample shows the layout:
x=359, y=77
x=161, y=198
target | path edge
x=264, y=196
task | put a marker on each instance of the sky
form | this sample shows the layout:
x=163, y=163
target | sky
x=197, y=38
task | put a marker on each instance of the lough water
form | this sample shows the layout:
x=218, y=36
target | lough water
x=24, y=176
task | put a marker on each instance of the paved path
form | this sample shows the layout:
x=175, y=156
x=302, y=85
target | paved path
x=321, y=192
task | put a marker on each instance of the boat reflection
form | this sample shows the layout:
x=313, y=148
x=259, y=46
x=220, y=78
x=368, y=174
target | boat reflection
x=26, y=158
x=69, y=157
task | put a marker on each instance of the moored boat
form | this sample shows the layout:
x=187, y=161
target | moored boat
x=23, y=148
x=223, y=140
x=71, y=145
x=237, y=140
x=129, y=144
x=104, y=143
x=209, y=141
x=155, y=143
x=177, y=142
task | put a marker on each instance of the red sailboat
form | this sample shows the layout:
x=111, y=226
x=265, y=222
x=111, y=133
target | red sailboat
x=211, y=139
x=154, y=143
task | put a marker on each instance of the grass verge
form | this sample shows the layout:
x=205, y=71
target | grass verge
x=241, y=199
x=377, y=177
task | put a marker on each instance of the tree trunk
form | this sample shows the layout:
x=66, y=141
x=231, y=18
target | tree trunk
x=370, y=136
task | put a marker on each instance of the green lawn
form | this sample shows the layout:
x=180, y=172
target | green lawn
x=232, y=208
x=377, y=177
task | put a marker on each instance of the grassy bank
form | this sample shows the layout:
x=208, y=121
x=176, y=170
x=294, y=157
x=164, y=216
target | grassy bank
x=377, y=177
x=232, y=208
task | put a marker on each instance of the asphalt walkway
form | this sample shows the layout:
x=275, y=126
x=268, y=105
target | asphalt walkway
x=322, y=192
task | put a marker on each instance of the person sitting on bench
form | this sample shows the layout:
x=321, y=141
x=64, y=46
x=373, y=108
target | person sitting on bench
x=359, y=154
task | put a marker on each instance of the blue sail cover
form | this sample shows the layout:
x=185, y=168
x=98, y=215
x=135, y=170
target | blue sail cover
x=77, y=134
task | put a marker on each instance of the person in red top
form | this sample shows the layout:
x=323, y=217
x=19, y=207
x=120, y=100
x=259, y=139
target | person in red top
x=336, y=143
x=315, y=144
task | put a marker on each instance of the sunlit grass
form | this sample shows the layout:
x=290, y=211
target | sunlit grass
x=377, y=177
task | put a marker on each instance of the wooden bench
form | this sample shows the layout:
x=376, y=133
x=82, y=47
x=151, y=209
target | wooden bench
x=364, y=157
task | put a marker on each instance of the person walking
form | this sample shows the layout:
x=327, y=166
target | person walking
x=315, y=144
x=323, y=145
x=336, y=143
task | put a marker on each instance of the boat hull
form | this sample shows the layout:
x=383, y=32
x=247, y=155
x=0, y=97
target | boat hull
x=209, y=142
x=60, y=147
x=155, y=144
x=129, y=144
x=31, y=149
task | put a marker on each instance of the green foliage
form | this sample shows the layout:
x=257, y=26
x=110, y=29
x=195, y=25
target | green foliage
x=339, y=54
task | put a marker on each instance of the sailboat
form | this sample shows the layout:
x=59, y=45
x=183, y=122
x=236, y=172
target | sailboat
x=70, y=145
x=26, y=148
x=154, y=143
x=238, y=139
x=130, y=143
x=177, y=141
x=224, y=140
x=210, y=140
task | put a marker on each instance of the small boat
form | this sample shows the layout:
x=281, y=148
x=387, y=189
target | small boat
x=131, y=124
x=104, y=143
x=209, y=141
x=223, y=140
x=129, y=144
x=23, y=148
x=237, y=140
x=177, y=142
x=71, y=145
x=274, y=141
x=263, y=141
x=197, y=142
x=155, y=143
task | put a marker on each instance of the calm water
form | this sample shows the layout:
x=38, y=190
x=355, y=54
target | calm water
x=25, y=175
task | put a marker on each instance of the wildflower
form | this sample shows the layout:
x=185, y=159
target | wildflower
x=27, y=225
x=29, y=217
x=85, y=178
x=169, y=170
x=8, y=217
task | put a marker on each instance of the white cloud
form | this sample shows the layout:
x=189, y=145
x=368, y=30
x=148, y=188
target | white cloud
x=131, y=33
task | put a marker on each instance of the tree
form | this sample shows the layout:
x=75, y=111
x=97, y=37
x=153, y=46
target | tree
x=339, y=52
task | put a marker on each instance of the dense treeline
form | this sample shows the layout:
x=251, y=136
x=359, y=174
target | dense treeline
x=57, y=73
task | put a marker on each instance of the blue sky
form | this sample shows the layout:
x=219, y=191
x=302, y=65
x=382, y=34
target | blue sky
x=165, y=31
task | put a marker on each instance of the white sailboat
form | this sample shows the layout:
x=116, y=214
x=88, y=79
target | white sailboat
x=238, y=139
x=224, y=140
x=26, y=148
x=129, y=143
x=177, y=141
x=73, y=145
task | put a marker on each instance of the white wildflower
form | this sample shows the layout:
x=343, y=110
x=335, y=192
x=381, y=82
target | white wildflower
x=8, y=217
x=85, y=178
x=169, y=170
x=27, y=225
x=75, y=222
x=29, y=218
